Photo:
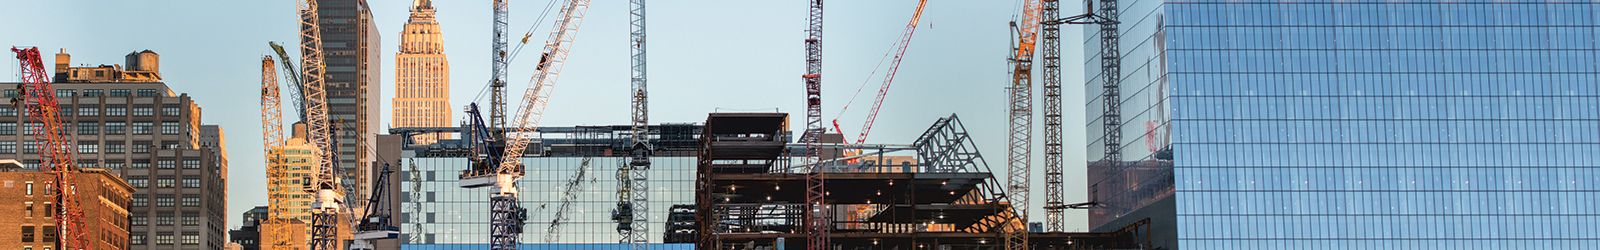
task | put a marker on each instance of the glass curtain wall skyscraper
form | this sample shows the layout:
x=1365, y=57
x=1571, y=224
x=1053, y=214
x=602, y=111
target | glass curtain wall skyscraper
x=1353, y=125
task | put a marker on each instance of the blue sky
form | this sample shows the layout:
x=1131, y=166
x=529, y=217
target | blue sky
x=705, y=56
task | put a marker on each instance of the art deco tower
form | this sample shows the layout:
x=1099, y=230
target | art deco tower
x=422, y=75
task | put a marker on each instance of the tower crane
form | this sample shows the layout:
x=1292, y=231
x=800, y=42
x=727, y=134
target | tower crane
x=375, y=223
x=325, y=185
x=294, y=80
x=633, y=194
x=816, y=218
x=1052, y=115
x=1111, y=99
x=272, y=134
x=569, y=194
x=39, y=100
x=1020, y=149
x=899, y=50
x=497, y=69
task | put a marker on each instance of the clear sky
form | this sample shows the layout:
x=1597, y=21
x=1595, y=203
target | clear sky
x=704, y=56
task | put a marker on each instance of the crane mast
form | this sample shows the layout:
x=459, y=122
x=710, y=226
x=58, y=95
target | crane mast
x=39, y=100
x=294, y=80
x=497, y=71
x=1020, y=150
x=816, y=218
x=506, y=215
x=325, y=186
x=272, y=134
x=1050, y=10
x=632, y=185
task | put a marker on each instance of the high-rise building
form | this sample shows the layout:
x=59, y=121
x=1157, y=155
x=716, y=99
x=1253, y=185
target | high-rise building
x=287, y=200
x=139, y=129
x=1352, y=125
x=351, y=50
x=422, y=75
x=248, y=236
x=29, y=211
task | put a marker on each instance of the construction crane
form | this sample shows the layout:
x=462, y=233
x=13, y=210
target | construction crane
x=325, y=185
x=272, y=137
x=569, y=194
x=1111, y=99
x=506, y=215
x=497, y=69
x=899, y=52
x=294, y=80
x=816, y=219
x=39, y=100
x=375, y=223
x=1019, y=161
x=1050, y=10
x=633, y=194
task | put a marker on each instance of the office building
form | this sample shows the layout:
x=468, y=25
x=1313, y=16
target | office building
x=144, y=132
x=422, y=75
x=248, y=236
x=30, y=219
x=351, y=50
x=1352, y=125
x=288, y=203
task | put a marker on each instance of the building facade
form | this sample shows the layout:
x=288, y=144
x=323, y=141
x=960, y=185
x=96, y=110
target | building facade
x=288, y=203
x=422, y=75
x=1346, y=125
x=30, y=221
x=350, y=42
x=142, y=131
x=436, y=213
x=248, y=236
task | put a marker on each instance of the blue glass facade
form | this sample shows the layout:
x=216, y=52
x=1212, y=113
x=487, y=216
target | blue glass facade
x=1355, y=124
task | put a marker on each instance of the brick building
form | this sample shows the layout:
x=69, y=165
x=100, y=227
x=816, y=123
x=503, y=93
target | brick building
x=26, y=198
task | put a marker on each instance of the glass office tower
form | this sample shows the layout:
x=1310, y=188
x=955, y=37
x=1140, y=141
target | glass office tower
x=1325, y=124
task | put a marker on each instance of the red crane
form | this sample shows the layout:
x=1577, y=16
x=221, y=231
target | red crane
x=899, y=51
x=39, y=99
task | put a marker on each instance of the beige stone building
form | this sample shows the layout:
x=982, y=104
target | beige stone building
x=422, y=75
x=288, y=203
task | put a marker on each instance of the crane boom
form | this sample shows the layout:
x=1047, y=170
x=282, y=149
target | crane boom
x=1019, y=160
x=39, y=99
x=326, y=184
x=817, y=223
x=899, y=51
x=632, y=185
x=294, y=80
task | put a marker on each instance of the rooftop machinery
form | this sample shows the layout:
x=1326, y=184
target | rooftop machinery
x=39, y=100
x=501, y=172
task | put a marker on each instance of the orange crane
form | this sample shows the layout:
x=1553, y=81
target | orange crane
x=39, y=99
x=899, y=52
x=1019, y=160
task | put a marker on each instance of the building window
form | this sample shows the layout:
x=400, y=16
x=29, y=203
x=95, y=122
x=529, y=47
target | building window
x=88, y=147
x=30, y=147
x=114, y=165
x=116, y=128
x=12, y=93
x=28, y=188
x=144, y=111
x=191, y=220
x=8, y=147
x=165, y=182
x=87, y=163
x=121, y=92
x=27, y=209
x=147, y=92
x=116, y=111
x=138, y=183
x=164, y=239
x=191, y=181
x=66, y=93
x=137, y=239
x=49, y=233
x=191, y=163
x=170, y=111
x=141, y=220
x=8, y=128
x=87, y=128
x=169, y=128
x=190, y=201
x=142, y=128
x=166, y=200
x=139, y=200
x=140, y=163
x=191, y=238
x=32, y=128
x=168, y=164
x=88, y=111
x=116, y=148
x=169, y=144
x=27, y=233
x=8, y=111
x=141, y=147
x=93, y=93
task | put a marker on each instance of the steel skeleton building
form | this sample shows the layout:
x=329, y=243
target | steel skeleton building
x=1353, y=125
